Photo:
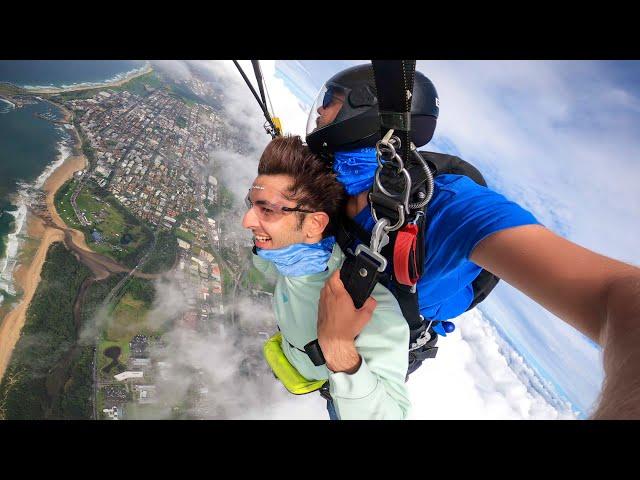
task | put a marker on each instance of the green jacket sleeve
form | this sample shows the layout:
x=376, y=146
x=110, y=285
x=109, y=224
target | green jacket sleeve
x=266, y=267
x=377, y=390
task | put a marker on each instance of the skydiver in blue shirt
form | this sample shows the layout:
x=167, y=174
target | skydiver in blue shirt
x=472, y=234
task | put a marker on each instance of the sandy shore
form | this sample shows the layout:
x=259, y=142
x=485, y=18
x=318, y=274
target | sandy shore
x=117, y=83
x=27, y=277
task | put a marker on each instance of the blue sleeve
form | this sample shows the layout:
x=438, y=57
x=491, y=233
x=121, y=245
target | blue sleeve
x=462, y=213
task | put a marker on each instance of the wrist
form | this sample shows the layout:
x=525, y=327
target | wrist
x=342, y=357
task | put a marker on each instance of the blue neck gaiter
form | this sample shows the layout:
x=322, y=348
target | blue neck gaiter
x=300, y=258
x=356, y=169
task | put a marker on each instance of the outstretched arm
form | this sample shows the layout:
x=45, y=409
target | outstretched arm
x=595, y=294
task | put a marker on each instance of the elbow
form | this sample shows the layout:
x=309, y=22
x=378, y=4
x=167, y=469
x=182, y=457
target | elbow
x=622, y=307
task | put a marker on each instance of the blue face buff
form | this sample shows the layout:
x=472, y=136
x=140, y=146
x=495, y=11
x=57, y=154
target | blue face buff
x=300, y=258
x=356, y=169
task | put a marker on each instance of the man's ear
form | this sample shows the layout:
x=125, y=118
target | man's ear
x=316, y=223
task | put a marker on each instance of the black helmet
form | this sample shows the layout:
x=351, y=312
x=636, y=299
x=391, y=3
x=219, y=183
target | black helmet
x=352, y=94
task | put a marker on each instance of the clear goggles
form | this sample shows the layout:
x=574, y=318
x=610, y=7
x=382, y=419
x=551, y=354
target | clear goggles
x=266, y=203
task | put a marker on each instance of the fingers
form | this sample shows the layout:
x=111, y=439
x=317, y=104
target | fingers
x=365, y=313
x=334, y=283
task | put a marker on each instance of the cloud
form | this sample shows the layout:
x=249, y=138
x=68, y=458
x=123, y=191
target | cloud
x=220, y=373
x=175, y=69
x=477, y=375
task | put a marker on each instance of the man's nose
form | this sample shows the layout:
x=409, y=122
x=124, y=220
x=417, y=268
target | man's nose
x=250, y=219
x=320, y=110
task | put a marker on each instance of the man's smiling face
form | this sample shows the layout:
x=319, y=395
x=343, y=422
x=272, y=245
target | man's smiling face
x=273, y=228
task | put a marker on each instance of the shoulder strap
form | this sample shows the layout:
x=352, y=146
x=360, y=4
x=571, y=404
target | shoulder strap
x=441, y=164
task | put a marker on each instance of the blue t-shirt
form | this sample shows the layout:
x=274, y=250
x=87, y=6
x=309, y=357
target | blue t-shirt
x=460, y=214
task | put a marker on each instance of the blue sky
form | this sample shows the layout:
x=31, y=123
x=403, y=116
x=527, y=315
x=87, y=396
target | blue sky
x=562, y=138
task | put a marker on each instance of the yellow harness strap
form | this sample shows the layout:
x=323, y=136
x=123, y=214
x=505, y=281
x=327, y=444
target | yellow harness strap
x=287, y=373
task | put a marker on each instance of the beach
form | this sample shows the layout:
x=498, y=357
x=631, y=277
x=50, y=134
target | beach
x=91, y=86
x=27, y=277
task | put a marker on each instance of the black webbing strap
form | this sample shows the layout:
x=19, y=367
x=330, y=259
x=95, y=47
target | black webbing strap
x=408, y=302
x=359, y=273
x=394, y=89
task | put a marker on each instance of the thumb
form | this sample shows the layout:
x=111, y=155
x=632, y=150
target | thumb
x=369, y=305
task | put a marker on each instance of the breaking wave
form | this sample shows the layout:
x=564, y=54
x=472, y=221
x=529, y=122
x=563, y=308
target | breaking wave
x=6, y=106
x=116, y=78
x=22, y=200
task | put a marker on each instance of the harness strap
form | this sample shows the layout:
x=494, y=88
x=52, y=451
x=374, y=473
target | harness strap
x=404, y=255
x=394, y=88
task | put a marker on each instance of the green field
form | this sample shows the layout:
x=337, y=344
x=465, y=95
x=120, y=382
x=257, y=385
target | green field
x=109, y=219
x=137, y=85
x=63, y=206
x=128, y=318
x=186, y=236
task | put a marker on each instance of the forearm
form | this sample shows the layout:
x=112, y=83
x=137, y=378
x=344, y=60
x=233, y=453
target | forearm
x=620, y=338
x=569, y=280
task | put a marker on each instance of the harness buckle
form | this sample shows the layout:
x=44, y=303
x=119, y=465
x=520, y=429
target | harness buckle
x=423, y=337
x=379, y=239
x=374, y=255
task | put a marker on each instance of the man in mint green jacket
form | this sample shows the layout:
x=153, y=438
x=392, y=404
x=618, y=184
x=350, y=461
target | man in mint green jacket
x=289, y=208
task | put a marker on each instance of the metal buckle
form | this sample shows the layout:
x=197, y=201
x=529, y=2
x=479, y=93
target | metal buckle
x=379, y=239
x=422, y=340
x=375, y=255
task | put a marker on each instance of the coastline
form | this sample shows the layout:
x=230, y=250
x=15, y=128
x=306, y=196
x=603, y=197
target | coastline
x=27, y=277
x=90, y=86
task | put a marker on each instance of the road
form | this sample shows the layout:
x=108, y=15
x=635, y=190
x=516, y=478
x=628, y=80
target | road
x=237, y=276
x=115, y=294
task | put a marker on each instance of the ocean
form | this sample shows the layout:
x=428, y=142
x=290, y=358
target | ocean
x=30, y=147
x=64, y=73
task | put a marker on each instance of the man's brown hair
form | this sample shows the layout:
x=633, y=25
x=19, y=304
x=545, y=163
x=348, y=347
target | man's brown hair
x=314, y=183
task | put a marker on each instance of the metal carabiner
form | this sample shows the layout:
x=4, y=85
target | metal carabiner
x=386, y=149
x=407, y=188
x=419, y=213
x=397, y=225
x=379, y=237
